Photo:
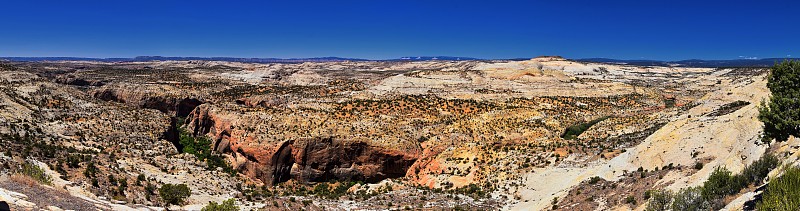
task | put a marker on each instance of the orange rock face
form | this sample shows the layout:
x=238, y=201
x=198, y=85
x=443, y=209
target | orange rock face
x=305, y=159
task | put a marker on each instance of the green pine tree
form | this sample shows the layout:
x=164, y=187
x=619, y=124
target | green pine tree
x=781, y=114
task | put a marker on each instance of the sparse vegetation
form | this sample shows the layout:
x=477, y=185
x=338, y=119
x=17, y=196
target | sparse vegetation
x=33, y=171
x=698, y=165
x=200, y=147
x=630, y=200
x=659, y=200
x=227, y=205
x=324, y=190
x=690, y=199
x=594, y=180
x=720, y=183
x=729, y=108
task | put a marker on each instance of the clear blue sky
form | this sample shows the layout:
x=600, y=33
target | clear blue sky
x=378, y=29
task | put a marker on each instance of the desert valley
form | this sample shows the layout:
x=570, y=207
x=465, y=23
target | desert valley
x=542, y=134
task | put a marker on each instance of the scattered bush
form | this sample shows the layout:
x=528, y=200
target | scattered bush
x=91, y=170
x=659, y=200
x=227, y=205
x=690, y=199
x=720, y=183
x=140, y=179
x=594, y=180
x=630, y=200
x=756, y=172
x=32, y=170
x=324, y=190
x=174, y=194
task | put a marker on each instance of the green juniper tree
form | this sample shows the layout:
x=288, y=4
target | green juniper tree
x=781, y=114
x=174, y=194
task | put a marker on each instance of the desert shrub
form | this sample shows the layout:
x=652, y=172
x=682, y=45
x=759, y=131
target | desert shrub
x=140, y=179
x=227, y=205
x=123, y=184
x=756, y=172
x=174, y=194
x=630, y=200
x=659, y=200
x=594, y=180
x=74, y=161
x=698, y=165
x=321, y=189
x=32, y=170
x=324, y=190
x=472, y=190
x=780, y=114
x=783, y=192
x=690, y=199
x=721, y=183
x=91, y=170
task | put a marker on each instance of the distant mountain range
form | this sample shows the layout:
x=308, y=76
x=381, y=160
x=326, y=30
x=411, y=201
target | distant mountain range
x=766, y=62
x=684, y=63
x=431, y=58
x=163, y=58
x=234, y=59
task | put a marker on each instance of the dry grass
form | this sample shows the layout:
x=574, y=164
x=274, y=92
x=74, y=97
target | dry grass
x=24, y=179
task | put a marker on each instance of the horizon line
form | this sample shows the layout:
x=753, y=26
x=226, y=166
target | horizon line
x=387, y=59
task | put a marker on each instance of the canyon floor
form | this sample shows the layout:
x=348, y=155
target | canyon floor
x=373, y=135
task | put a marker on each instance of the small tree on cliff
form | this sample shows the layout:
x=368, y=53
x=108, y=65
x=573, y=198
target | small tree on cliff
x=781, y=114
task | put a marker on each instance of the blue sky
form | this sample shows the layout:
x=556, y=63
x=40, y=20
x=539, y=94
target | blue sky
x=377, y=29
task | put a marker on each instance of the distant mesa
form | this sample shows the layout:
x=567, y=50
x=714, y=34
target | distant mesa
x=766, y=62
x=433, y=58
x=548, y=58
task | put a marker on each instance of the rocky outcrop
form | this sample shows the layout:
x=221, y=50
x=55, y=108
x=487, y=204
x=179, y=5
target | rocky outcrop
x=72, y=80
x=325, y=159
x=180, y=106
x=305, y=160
